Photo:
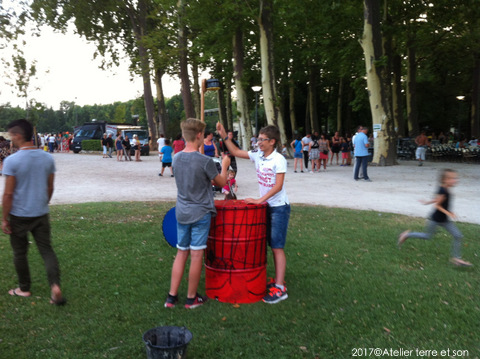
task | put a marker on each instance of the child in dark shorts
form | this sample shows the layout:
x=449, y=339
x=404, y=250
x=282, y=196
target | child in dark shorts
x=166, y=151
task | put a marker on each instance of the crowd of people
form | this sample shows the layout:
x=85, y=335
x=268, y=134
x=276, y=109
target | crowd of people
x=55, y=142
x=322, y=150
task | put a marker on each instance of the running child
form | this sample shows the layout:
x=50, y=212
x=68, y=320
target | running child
x=271, y=167
x=440, y=217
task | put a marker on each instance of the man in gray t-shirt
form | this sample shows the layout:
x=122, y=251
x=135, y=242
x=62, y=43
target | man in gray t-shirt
x=28, y=188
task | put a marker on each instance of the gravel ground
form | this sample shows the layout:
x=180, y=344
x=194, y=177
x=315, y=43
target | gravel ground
x=84, y=178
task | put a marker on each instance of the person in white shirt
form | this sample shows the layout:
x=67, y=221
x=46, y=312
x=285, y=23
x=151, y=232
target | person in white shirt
x=160, y=144
x=306, y=148
x=271, y=168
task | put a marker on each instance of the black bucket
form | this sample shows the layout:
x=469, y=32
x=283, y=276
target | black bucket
x=167, y=342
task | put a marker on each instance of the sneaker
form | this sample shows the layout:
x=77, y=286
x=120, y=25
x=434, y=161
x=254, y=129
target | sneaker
x=196, y=302
x=460, y=262
x=402, y=238
x=271, y=283
x=171, y=301
x=275, y=295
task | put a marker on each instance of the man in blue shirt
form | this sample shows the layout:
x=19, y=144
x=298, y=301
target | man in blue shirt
x=361, y=145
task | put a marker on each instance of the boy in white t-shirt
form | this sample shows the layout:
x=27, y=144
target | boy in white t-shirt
x=271, y=167
x=160, y=144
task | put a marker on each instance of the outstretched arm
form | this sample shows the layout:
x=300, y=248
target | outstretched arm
x=234, y=150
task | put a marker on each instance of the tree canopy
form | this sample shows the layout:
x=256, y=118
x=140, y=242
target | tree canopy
x=314, y=76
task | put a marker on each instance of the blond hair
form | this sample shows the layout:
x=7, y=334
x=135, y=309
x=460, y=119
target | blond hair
x=190, y=128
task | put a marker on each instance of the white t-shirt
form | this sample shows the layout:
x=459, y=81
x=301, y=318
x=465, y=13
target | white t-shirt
x=267, y=169
x=306, y=142
x=161, y=143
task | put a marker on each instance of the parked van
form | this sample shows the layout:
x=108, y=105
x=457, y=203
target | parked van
x=94, y=131
x=88, y=131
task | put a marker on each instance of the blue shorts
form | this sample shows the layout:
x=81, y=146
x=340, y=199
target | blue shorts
x=277, y=225
x=298, y=154
x=194, y=235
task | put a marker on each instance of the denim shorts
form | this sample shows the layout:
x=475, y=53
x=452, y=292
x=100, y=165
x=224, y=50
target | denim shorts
x=194, y=235
x=278, y=225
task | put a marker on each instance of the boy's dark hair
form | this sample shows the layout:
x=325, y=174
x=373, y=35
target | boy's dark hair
x=272, y=132
x=22, y=127
x=445, y=173
x=167, y=141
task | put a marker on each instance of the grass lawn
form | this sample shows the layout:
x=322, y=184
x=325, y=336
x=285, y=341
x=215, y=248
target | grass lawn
x=350, y=289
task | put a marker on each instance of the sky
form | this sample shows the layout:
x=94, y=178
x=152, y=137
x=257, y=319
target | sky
x=66, y=71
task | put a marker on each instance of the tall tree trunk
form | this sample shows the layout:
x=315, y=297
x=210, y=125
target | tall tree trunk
x=312, y=99
x=196, y=88
x=138, y=20
x=162, y=110
x=183, y=61
x=228, y=102
x=412, y=108
x=148, y=96
x=291, y=106
x=308, y=124
x=348, y=111
x=397, y=96
x=242, y=103
x=270, y=99
x=475, y=110
x=378, y=86
x=339, y=106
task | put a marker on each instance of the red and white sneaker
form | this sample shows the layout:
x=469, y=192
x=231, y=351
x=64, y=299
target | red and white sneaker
x=196, y=302
x=171, y=301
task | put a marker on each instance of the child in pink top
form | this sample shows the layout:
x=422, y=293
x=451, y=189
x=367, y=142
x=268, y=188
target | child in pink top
x=231, y=187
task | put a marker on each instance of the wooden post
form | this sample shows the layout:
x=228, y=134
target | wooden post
x=202, y=109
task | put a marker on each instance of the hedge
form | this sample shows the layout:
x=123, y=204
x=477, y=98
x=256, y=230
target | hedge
x=91, y=145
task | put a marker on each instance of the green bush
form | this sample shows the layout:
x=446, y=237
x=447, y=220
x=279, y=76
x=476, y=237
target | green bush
x=91, y=145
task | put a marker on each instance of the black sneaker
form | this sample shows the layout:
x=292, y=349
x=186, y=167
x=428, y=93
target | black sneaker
x=195, y=302
x=171, y=301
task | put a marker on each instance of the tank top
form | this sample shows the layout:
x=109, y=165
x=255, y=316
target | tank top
x=209, y=150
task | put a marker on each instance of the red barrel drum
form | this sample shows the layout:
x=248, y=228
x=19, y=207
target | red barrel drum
x=236, y=254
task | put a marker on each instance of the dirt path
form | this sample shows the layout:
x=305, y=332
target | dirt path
x=90, y=178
